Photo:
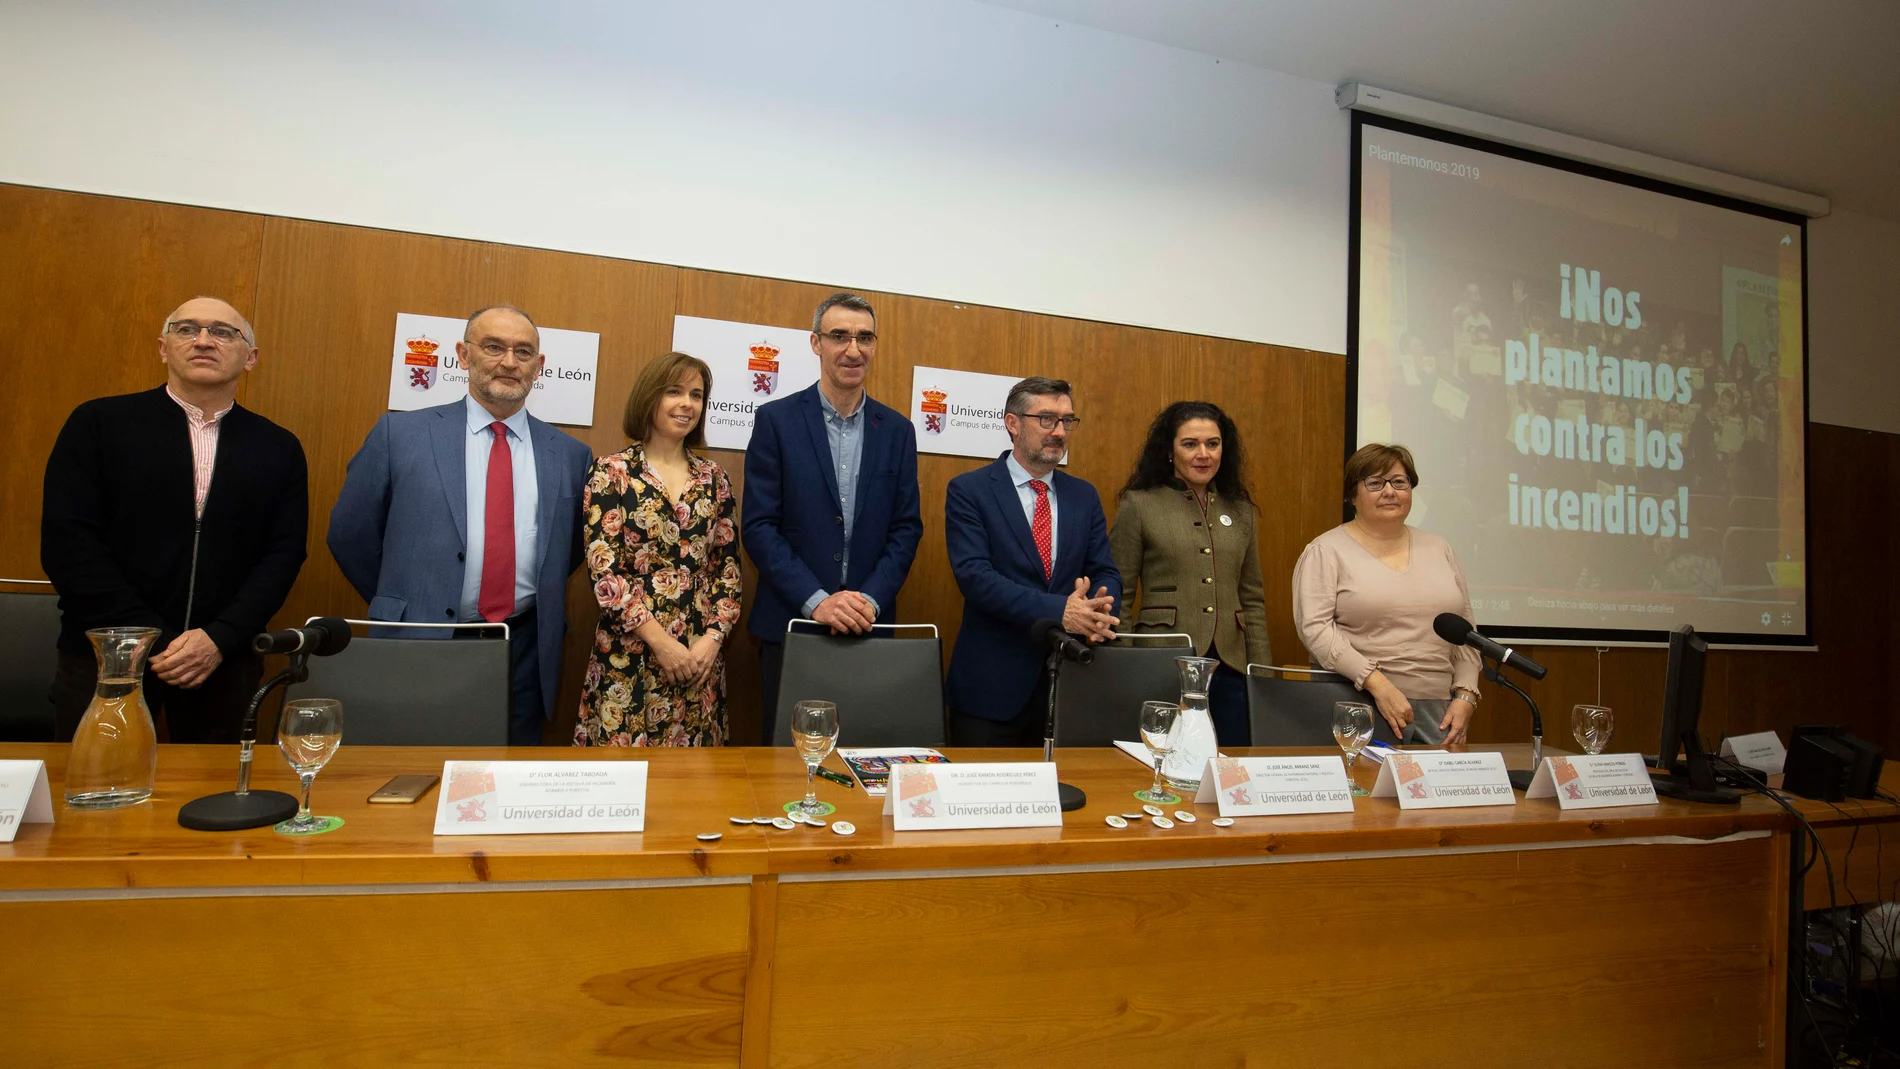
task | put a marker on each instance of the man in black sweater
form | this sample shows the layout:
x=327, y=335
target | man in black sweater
x=175, y=509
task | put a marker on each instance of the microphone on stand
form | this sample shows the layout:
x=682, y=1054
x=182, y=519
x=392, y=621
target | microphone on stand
x=246, y=808
x=1062, y=646
x=1458, y=631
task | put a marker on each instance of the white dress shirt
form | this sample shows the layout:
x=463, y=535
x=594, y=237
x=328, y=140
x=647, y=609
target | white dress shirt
x=477, y=444
x=1020, y=476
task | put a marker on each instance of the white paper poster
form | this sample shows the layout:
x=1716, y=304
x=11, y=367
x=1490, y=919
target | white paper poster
x=424, y=372
x=1273, y=786
x=987, y=795
x=1587, y=781
x=529, y=797
x=751, y=364
x=959, y=413
x=25, y=797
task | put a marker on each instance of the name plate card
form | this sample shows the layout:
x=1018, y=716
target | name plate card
x=1275, y=786
x=1444, y=780
x=1762, y=751
x=541, y=797
x=25, y=797
x=1593, y=782
x=943, y=797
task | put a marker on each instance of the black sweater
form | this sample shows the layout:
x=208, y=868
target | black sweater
x=118, y=531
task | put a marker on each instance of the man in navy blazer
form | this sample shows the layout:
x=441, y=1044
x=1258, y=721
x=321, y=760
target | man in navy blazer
x=470, y=511
x=830, y=514
x=1026, y=543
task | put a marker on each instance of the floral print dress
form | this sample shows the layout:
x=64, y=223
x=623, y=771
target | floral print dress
x=653, y=560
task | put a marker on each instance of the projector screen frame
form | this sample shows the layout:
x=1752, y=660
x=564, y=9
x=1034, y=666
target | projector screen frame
x=1581, y=636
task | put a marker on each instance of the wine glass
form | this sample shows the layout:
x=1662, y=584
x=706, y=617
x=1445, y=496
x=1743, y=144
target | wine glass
x=1158, y=721
x=1592, y=725
x=308, y=733
x=1352, y=729
x=814, y=733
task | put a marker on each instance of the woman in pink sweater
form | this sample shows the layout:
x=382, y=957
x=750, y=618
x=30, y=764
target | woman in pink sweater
x=1365, y=594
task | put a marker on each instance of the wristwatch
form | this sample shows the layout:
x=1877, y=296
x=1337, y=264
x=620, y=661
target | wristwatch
x=1467, y=694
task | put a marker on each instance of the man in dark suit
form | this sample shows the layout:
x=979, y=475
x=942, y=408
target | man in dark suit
x=175, y=509
x=470, y=511
x=1026, y=543
x=834, y=549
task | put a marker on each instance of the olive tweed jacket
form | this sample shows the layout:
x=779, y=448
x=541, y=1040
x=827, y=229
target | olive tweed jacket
x=1199, y=572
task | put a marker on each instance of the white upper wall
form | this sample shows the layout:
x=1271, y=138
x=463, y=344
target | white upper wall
x=947, y=149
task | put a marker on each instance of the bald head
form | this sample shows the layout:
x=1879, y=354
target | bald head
x=496, y=314
x=208, y=311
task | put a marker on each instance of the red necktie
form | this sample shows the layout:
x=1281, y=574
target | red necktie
x=497, y=600
x=1040, y=528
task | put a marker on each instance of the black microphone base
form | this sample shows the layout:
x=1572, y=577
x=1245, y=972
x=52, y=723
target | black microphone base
x=1684, y=791
x=1521, y=778
x=232, y=811
x=1072, y=797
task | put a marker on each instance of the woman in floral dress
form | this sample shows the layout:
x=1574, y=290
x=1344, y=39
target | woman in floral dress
x=662, y=549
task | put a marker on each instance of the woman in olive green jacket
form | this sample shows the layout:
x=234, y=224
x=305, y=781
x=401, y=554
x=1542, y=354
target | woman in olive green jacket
x=1184, y=533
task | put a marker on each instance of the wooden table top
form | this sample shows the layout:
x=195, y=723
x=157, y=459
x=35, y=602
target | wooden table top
x=696, y=790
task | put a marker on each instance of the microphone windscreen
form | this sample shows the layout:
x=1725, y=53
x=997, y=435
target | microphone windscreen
x=1452, y=627
x=336, y=635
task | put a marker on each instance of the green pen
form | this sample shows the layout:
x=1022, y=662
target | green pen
x=840, y=780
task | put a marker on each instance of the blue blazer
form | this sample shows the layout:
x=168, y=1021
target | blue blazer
x=399, y=529
x=790, y=520
x=995, y=665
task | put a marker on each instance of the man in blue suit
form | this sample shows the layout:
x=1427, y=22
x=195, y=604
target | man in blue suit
x=470, y=511
x=836, y=547
x=1026, y=543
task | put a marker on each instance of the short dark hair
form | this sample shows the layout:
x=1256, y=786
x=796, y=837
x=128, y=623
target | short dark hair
x=1155, y=465
x=468, y=332
x=1376, y=458
x=661, y=372
x=1034, y=386
x=843, y=300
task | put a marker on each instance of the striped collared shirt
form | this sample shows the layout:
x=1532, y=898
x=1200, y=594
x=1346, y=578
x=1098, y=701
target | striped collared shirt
x=204, y=443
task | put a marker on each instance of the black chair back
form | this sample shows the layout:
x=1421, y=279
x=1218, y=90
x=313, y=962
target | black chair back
x=1100, y=702
x=416, y=691
x=888, y=685
x=29, y=634
x=1292, y=706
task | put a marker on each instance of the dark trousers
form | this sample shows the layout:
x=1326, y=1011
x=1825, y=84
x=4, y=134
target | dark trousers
x=526, y=715
x=213, y=712
x=1227, y=707
x=1024, y=729
x=771, y=667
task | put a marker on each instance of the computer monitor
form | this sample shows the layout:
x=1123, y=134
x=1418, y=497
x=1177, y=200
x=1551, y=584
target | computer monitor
x=1694, y=780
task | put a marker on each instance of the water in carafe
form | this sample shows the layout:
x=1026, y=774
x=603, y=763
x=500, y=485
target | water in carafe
x=114, y=759
x=1194, y=742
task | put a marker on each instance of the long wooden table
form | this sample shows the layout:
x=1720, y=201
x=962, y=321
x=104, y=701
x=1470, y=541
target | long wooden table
x=1644, y=935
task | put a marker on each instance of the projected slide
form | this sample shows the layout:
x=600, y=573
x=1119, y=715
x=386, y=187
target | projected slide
x=1602, y=383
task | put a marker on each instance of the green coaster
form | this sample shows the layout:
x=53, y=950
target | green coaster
x=322, y=825
x=825, y=809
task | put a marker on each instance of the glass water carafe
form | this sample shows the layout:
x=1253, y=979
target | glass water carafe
x=1194, y=743
x=114, y=759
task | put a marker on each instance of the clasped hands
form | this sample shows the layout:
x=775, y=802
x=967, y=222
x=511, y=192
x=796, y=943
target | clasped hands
x=1090, y=617
x=188, y=660
x=680, y=663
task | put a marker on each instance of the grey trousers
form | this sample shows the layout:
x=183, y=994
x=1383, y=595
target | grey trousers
x=1427, y=713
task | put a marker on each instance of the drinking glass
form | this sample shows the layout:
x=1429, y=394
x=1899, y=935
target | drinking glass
x=308, y=734
x=1158, y=723
x=1352, y=729
x=1592, y=725
x=814, y=733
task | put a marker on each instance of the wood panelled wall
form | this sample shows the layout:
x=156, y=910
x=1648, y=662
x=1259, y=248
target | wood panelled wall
x=85, y=282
